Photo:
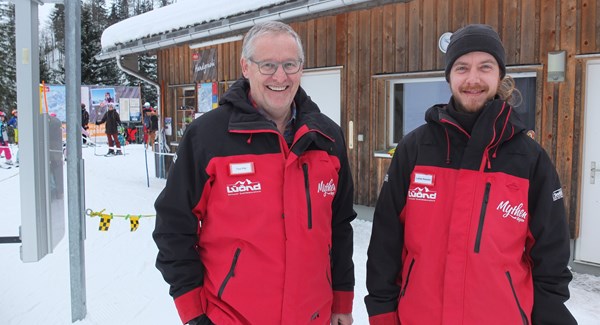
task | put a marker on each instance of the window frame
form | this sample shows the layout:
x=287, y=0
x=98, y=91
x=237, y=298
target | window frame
x=534, y=71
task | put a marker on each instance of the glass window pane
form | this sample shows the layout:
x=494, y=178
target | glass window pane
x=525, y=108
x=419, y=97
x=412, y=98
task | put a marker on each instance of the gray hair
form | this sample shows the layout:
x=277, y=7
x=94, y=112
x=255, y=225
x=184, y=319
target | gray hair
x=269, y=27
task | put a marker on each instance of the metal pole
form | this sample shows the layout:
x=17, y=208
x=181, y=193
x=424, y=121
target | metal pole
x=74, y=161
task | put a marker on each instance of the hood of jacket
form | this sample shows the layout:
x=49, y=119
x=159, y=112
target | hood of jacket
x=495, y=125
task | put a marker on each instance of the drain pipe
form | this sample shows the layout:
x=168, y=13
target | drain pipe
x=155, y=84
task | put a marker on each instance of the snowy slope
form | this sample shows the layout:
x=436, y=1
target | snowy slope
x=123, y=287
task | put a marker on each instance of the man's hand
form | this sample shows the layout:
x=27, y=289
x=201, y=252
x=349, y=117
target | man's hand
x=341, y=319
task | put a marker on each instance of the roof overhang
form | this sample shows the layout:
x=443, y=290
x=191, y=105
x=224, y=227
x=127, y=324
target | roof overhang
x=236, y=25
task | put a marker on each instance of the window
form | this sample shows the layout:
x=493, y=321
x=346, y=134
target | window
x=185, y=108
x=411, y=97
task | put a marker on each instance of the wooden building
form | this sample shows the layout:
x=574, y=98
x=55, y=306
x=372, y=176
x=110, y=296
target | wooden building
x=383, y=49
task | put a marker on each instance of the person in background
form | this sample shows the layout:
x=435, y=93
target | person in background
x=112, y=119
x=253, y=225
x=470, y=225
x=13, y=127
x=85, y=121
x=4, y=147
x=150, y=125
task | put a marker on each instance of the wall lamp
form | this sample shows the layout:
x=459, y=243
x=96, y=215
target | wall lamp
x=556, y=66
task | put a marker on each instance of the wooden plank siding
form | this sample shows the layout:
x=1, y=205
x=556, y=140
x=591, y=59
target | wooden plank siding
x=401, y=37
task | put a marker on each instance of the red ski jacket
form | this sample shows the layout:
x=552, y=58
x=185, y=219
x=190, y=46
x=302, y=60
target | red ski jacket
x=469, y=228
x=251, y=231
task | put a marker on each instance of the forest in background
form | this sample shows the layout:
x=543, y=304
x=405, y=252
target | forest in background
x=96, y=16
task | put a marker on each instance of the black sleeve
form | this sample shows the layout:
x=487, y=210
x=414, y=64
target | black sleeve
x=177, y=226
x=85, y=118
x=103, y=118
x=550, y=248
x=342, y=233
x=384, y=255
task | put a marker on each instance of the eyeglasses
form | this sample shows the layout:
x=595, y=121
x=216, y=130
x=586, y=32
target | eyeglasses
x=269, y=67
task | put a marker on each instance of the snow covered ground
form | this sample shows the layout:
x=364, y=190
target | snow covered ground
x=122, y=284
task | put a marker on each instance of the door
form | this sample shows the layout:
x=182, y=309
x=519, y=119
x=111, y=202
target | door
x=324, y=88
x=586, y=249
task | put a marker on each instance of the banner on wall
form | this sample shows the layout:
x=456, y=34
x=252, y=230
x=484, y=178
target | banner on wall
x=207, y=96
x=125, y=99
x=204, y=65
x=96, y=100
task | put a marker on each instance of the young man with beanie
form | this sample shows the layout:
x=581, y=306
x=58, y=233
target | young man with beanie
x=470, y=224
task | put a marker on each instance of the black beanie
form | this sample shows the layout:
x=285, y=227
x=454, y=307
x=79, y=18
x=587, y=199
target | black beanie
x=473, y=38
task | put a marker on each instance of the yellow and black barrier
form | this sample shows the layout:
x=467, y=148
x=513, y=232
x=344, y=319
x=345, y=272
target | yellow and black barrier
x=105, y=218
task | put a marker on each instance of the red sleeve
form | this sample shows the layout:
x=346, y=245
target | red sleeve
x=189, y=305
x=384, y=319
x=342, y=302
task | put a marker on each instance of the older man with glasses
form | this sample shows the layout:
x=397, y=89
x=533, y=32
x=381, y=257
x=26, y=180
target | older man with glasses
x=253, y=226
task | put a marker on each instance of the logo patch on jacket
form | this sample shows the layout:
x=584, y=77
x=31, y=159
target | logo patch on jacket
x=557, y=195
x=516, y=212
x=422, y=194
x=326, y=188
x=243, y=187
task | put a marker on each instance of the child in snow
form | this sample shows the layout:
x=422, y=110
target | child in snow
x=4, y=148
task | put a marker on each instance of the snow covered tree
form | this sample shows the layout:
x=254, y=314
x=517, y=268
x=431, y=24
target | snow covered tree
x=8, y=72
x=93, y=22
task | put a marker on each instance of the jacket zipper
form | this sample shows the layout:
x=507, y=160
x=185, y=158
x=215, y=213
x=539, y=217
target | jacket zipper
x=523, y=316
x=486, y=197
x=307, y=191
x=407, y=277
x=231, y=272
x=329, y=267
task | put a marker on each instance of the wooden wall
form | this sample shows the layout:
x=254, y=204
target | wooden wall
x=402, y=37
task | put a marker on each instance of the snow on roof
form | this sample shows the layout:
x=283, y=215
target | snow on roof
x=182, y=14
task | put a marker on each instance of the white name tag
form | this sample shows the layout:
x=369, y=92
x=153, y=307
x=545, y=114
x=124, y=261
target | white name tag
x=244, y=168
x=424, y=179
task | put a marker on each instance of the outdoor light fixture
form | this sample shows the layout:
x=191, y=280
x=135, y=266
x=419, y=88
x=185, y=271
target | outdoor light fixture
x=556, y=66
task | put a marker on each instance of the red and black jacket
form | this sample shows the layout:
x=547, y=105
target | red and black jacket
x=251, y=231
x=469, y=228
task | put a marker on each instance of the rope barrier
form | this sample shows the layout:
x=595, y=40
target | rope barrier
x=105, y=218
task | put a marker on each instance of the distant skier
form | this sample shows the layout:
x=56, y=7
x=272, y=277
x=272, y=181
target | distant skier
x=13, y=128
x=150, y=125
x=112, y=119
x=4, y=148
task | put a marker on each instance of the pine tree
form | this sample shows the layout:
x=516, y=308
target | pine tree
x=8, y=73
x=57, y=26
x=93, y=21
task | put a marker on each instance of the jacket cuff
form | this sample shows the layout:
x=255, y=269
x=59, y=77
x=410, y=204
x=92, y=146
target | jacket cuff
x=189, y=305
x=342, y=302
x=384, y=319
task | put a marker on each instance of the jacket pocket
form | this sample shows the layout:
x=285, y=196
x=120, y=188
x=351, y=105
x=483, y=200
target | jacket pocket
x=307, y=191
x=231, y=272
x=512, y=288
x=486, y=197
x=410, y=267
